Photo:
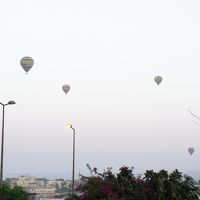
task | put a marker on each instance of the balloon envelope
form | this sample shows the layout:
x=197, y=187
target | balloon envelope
x=66, y=88
x=158, y=79
x=26, y=63
x=191, y=150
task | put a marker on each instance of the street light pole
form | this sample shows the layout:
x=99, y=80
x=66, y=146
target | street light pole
x=73, y=165
x=2, y=140
x=2, y=145
x=73, y=162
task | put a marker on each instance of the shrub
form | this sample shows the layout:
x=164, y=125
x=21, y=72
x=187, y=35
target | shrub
x=126, y=186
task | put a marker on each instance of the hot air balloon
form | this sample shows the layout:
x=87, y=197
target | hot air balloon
x=191, y=150
x=158, y=79
x=26, y=63
x=66, y=88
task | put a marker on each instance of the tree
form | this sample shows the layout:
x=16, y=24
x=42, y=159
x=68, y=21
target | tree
x=173, y=186
x=15, y=193
x=126, y=186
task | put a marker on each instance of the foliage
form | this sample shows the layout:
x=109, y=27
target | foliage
x=72, y=197
x=15, y=193
x=173, y=186
x=126, y=186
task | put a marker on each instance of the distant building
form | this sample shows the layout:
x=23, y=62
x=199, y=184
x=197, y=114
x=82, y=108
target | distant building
x=41, y=190
x=59, y=183
x=40, y=186
x=12, y=182
x=41, y=181
x=25, y=181
x=68, y=183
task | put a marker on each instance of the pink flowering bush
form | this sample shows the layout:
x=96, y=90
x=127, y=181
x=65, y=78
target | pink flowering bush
x=126, y=186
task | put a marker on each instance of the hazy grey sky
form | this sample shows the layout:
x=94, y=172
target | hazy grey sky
x=109, y=52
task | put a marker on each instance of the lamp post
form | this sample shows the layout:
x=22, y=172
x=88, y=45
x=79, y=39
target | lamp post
x=2, y=139
x=73, y=162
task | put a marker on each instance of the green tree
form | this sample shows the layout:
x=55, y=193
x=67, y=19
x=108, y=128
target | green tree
x=15, y=193
x=173, y=186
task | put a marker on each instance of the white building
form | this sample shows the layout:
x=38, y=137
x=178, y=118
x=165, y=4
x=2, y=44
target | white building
x=59, y=183
x=42, y=190
x=25, y=181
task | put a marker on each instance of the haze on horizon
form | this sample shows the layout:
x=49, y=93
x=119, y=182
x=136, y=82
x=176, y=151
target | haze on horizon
x=108, y=52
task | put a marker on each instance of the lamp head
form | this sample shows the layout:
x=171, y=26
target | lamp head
x=69, y=126
x=11, y=102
